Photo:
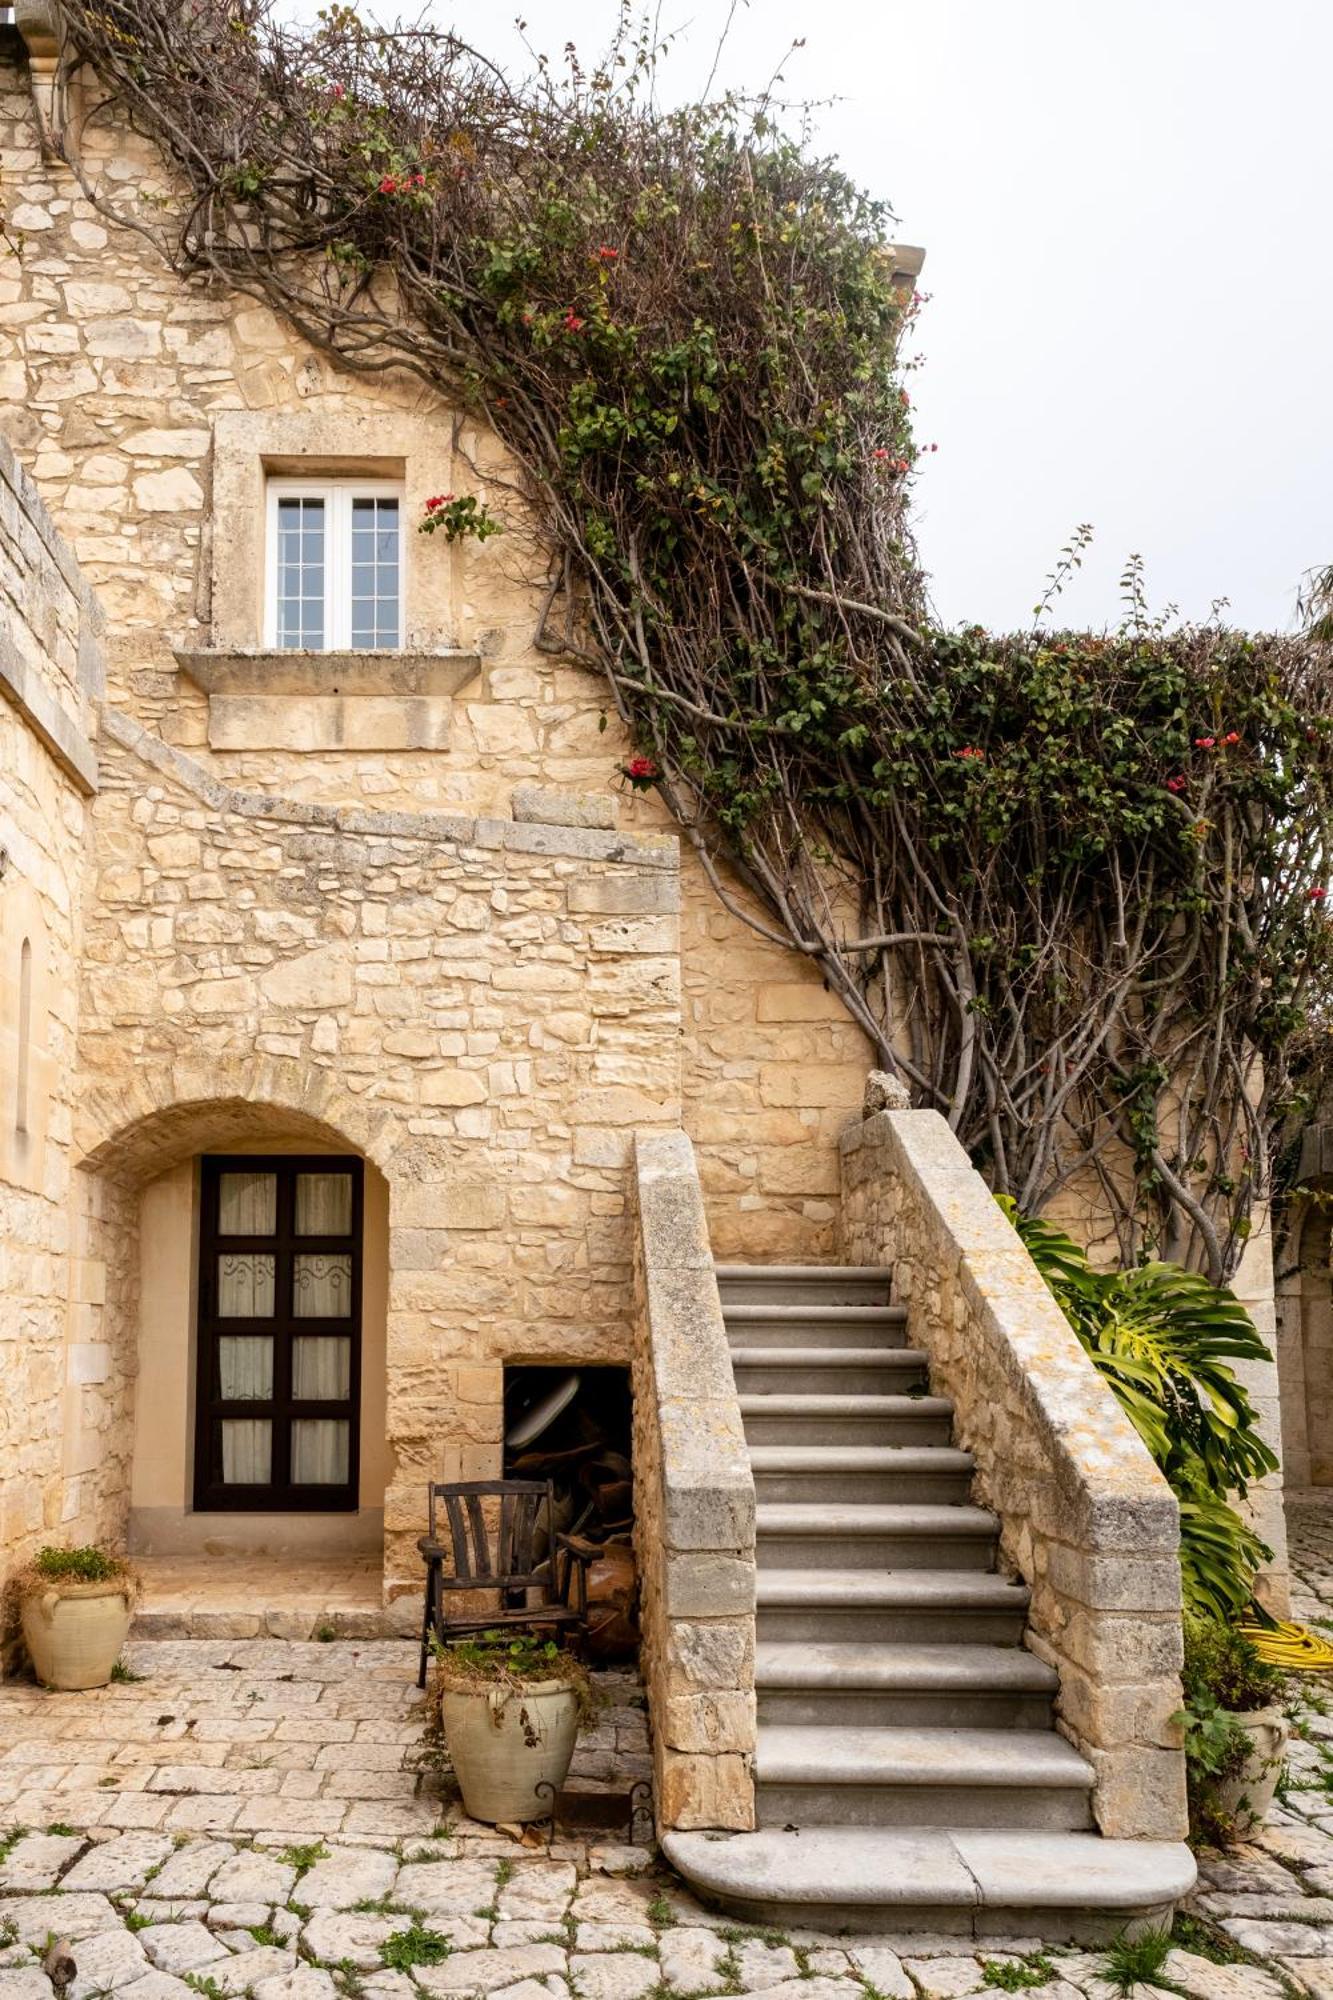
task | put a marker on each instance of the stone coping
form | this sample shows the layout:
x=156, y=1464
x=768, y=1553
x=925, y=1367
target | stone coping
x=270, y=672
x=578, y=843
x=50, y=723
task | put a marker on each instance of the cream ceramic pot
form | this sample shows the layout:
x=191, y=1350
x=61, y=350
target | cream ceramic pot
x=74, y=1631
x=1247, y=1797
x=504, y=1742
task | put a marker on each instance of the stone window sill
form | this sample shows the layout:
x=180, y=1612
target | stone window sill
x=329, y=701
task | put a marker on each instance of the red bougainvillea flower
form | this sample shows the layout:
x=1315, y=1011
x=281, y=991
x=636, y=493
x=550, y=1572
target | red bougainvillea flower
x=640, y=767
x=1232, y=736
x=1318, y=895
x=880, y=451
x=438, y=500
x=337, y=90
x=607, y=253
x=388, y=185
x=1175, y=784
x=416, y=180
x=1205, y=742
x=971, y=752
x=573, y=324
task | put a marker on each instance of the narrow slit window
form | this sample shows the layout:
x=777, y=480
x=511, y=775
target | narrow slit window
x=25, y=1037
x=335, y=565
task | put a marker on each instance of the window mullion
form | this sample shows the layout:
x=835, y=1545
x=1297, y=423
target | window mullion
x=336, y=576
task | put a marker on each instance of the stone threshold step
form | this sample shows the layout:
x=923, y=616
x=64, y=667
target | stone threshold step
x=875, y=1518
x=829, y=1357
x=785, y=1403
x=891, y=1590
x=827, y=1273
x=887, y=1667
x=1018, y=1759
x=849, y=1316
x=399, y=1620
x=967, y=1882
x=859, y=1457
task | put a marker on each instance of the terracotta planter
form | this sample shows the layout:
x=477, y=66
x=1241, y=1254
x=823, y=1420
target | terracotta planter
x=1247, y=1797
x=74, y=1632
x=505, y=1742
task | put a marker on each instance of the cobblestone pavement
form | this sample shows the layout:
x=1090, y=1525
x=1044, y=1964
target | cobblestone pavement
x=252, y=1818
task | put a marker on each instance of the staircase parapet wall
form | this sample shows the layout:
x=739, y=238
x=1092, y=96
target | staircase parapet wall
x=694, y=1505
x=1087, y=1520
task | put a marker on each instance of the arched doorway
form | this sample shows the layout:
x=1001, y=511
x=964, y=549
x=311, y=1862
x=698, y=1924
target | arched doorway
x=247, y=1252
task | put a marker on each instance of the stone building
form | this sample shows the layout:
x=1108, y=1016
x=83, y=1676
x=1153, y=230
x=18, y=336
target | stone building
x=343, y=982
x=319, y=861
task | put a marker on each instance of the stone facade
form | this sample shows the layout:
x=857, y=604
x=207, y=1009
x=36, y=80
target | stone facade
x=1087, y=1520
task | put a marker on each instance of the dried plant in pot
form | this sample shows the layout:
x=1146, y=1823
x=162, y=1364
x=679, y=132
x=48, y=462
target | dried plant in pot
x=75, y=1608
x=509, y=1708
x=1236, y=1731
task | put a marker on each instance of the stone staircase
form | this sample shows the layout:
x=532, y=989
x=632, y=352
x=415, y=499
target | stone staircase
x=908, y=1772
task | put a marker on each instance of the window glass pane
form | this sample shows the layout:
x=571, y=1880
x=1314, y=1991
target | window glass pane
x=324, y=1204
x=245, y=1368
x=245, y=1287
x=247, y=1451
x=319, y=1451
x=300, y=578
x=375, y=551
x=247, y=1204
x=321, y=1368
x=322, y=1287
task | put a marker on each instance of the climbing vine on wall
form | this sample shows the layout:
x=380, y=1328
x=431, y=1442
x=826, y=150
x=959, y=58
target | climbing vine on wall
x=1071, y=886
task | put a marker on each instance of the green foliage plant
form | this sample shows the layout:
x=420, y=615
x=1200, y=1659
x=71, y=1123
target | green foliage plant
x=1131, y=1962
x=1071, y=885
x=1164, y=1339
x=416, y=1945
x=1223, y=1678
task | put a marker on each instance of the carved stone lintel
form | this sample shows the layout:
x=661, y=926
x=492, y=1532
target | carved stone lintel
x=36, y=24
x=884, y=1093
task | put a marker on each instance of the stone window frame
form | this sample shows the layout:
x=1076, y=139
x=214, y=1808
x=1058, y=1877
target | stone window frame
x=345, y=441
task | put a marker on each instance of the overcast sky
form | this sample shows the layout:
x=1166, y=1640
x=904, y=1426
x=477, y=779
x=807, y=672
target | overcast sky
x=1126, y=210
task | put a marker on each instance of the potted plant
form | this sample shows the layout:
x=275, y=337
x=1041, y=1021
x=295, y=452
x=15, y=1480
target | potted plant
x=75, y=1608
x=509, y=1707
x=1235, y=1731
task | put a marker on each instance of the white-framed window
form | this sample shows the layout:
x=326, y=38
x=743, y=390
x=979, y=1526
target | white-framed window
x=335, y=565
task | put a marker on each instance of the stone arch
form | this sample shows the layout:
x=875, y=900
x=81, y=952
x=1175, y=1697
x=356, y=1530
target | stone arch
x=137, y=1150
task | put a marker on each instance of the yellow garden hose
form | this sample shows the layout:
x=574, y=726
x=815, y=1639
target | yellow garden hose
x=1293, y=1647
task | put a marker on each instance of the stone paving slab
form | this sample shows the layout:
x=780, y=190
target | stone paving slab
x=252, y=1820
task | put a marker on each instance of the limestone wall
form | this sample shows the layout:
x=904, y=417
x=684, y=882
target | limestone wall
x=694, y=1527
x=147, y=411
x=62, y=1411
x=1086, y=1518
x=484, y=1009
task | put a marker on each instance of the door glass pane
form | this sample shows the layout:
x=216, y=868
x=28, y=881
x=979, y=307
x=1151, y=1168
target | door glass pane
x=319, y=1451
x=245, y=1286
x=321, y=1368
x=300, y=578
x=247, y=1204
x=247, y=1451
x=323, y=1204
x=322, y=1287
x=245, y=1368
x=375, y=572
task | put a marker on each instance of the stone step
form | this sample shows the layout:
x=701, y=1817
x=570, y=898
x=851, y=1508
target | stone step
x=803, y=1284
x=919, y=1607
x=861, y=1472
x=837, y=1371
x=825, y=1776
x=983, y=1687
x=816, y=1326
x=1073, y=1888
x=792, y=1535
x=847, y=1420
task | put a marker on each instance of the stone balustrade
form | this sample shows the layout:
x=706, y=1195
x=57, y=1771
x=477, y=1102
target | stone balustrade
x=1087, y=1520
x=694, y=1510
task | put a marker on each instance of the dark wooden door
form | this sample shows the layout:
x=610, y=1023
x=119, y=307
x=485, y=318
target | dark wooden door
x=279, y=1371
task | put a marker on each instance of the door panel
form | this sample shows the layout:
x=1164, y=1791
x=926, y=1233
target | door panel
x=279, y=1368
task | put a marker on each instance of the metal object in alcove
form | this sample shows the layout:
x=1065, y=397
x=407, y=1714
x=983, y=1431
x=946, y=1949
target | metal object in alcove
x=543, y=1414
